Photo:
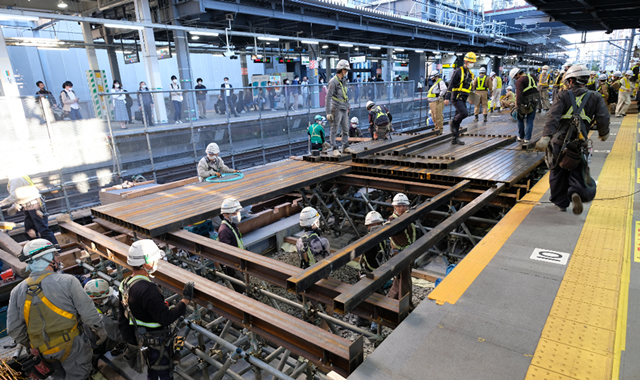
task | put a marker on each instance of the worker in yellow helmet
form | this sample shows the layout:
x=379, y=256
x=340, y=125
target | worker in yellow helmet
x=457, y=94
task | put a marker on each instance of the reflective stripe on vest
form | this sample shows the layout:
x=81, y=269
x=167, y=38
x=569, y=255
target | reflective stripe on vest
x=431, y=94
x=532, y=84
x=129, y=283
x=315, y=134
x=569, y=113
x=344, y=92
x=599, y=88
x=626, y=83
x=379, y=113
x=364, y=258
x=544, y=80
x=480, y=85
x=55, y=329
x=462, y=82
x=411, y=237
x=238, y=238
x=310, y=255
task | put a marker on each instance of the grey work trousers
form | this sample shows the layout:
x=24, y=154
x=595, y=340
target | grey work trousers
x=78, y=363
x=340, y=122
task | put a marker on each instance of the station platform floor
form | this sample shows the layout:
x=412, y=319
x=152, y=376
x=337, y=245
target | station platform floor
x=545, y=295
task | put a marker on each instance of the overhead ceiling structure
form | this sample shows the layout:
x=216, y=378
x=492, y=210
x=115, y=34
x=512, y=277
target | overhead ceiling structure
x=592, y=15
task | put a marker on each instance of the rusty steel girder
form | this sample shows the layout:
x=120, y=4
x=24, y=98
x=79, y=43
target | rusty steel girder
x=326, y=350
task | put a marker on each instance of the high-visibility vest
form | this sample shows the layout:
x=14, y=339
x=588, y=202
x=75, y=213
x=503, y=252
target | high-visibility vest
x=532, y=84
x=238, y=238
x=461, y=88
x=50, y=328
x=569, y=113
x=409, y=232
x=624, y=82
x=599, y=88
x=499, y=82
x=344, y=92
x=480, y=83
x=544, y=80
x=316, y=133
x=125, y=286
x=431, y=94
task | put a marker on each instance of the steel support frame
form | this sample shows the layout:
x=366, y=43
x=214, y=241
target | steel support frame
x=305, y=278
x=319, y=346
x=367, y=286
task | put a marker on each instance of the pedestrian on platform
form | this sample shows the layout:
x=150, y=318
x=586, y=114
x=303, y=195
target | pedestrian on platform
x=201, y=98
x=458, y=93
x=227, y=94
x=119, y=100
x=296, y=92
x=527, y=98
x=402, y=285
x=176, y=98
x=311, y=246
x=212, y=165
x=565, y=138
x=69, y=101
x=337, y=107
x=145, y=103
x=481, y=86
x=435, y=97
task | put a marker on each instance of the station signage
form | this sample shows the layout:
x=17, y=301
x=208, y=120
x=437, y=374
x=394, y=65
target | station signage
x=358, y=59
x=131, y=58
x=164, y=52
x=262, y=60
x=305, y=60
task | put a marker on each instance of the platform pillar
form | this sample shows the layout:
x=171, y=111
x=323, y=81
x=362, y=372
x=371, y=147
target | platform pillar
x=416, y=66
x=113, y=58
x=87, y=35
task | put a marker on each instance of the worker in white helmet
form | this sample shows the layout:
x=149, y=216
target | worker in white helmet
x=145, y=319
x=402, y=283
x=593, y=81
x=354, y=130
x=44, y=311
x=106, y=302
x=311, y=246
x=603, y=88
x=212, y=165
x=496, y=91
x=337, y=107
x=481, y=85
x=435, y=98
x=614, y=91
x=377, y=255
x=624, y=94
x=508, y=100
x=380, y=119
x=543, y=88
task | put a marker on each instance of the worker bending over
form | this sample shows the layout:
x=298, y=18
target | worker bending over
x=458, y=93
x=311, y=246
x=402, y=283
x=317, y=135
x=106, y=302
x=379, y=121
x=337, y=107
x=481, y=86
x=145, y=320
x=44, y=312
x=212, y=165
x=508, y=101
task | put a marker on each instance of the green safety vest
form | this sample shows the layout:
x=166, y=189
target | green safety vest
x=125, y=286
x=316, y=132
x=238, y=238
x=569, y=113
x=532, y=84
x=599, y=87
x=344, y=92
x=431, y=94
x=480, y=85
x=461, y=88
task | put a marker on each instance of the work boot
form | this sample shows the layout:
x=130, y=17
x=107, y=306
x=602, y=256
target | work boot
x=475, y=118
x=456, y=141
x=485, y=118
x=347, y=150
x=577, y=203
x=491, y=110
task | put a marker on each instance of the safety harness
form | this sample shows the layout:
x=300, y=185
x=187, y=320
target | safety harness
x=544, y=80
x=380, y=117
x=344, y=92
x=238, y=237
x=317, y=137
x=481, y=81
x=532, y=84
x=575, y=146
x=624, y=82
x=50, y=328
x=409, y=233
x=382, y=255
x=306, y=250
x=431, y=94
x=464, y=88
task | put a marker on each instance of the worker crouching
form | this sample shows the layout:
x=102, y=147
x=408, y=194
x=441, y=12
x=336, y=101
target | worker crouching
x=379, y=121
x=212, y=165
x=311, y=246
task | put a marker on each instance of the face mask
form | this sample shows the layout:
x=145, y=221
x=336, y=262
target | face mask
x=200, y=82
x=175, y=81
x=236, y=218
x=116, y=85
x=471, y=64
x=226, y=81
x=153, y=269
x=143, y=86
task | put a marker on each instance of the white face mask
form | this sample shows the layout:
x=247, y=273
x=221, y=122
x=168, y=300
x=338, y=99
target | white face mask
x=200, y=82
x=175, y=81
x=226, y=81
x=143, y=86
x=116, y=85
x=471, y=64
x=236, y=218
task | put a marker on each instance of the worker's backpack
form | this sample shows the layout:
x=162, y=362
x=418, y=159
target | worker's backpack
x=613, y=95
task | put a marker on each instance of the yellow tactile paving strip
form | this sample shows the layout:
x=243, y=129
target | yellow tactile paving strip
x=586, y=328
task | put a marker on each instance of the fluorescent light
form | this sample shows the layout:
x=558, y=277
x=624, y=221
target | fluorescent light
x=398, y=49
x=356, y=49
x=268, y=39
x=310, y=42
x=419, y=51
x=62, y=4
x=124, y=26
x=8, y=17
x=199, y=33
x=196, y=37
x=374, y=47
x=325, y=46
x=346, y=45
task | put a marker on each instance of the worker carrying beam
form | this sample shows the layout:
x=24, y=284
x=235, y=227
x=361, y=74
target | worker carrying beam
x=311, y=246
x=44, y=312
x=481, y=85
x=457, y=94
x=402, y=283
x=337, y=107
x=565, y=137
x=212, y=165
x=146, y=322
x=24, y=196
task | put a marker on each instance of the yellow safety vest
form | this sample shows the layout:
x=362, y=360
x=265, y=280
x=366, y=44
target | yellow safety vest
x=344, y=92
x=626, y=83
x=462, y=82
x=499, y=82
x=238, y=238
x=431, y=94
x=544, y=80
x=480, y=83
x=50, y=328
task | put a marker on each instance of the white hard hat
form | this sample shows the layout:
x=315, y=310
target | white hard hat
x=400, y=199
x=602, y=77
x=42, y=251
x=98, y=289
x=577, y=71
x=617, y=74
x=493, y=73
x=355, y=120
x=592, y=73
x=514, y=72
x=373, y=217
x=545, y=67
x=230, y=206
x=213, y=148
x=343, y=64
x=309, y=216
x=435, y=73
x=483, y=70
x=509, y=88
x=142, y=252
x=629, y=72
x=370, y=104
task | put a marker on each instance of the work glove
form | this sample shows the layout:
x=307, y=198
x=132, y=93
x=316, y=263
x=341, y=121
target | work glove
x=187, y=292
x=604, y=138
x=100, y=334
x=330, y=117
x=12, y=210
x=543, y=143
x=237, y=171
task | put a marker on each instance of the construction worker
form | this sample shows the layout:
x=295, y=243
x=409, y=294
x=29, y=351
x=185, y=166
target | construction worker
x=527, y=98
x=44, y=311
x=566, y=142
x=603, y=88
x=458, y=92
x=481, y=86
x=311, y=246
x=624, y=94
x=496, y=91
x=228, y=232
x=317, y=135
x=379, y=121
x=145, y=320
x=106, y=302
x=212, y=165
x=614, y=91
x=402, y=283
x=435, y=98
x=543, y=89
x=592, y=83
x=337, y=107
x=508, y=101
x=354, y=131
x=558, y=84
x=377, y=255
x=636, y=79
x=24, y=196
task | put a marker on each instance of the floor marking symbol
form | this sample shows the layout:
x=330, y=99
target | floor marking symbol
x=550, y=256
x=636, y=251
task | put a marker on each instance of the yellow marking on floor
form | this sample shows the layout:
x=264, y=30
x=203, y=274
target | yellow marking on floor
x=457, y=282
x=638, y=176
x=636, y=251
x=585, y=332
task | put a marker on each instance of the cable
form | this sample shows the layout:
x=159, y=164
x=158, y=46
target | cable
x=221, y=179
x=595, y=199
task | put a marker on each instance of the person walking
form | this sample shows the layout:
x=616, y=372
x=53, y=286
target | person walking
x=296, y=92
x=176, y=98
x=458, y=92
x=201, y=99
x=145, y=103
x=435, y=97
x=496, y=91
x=624, y=94
x=527, y=98
x=119, y=100
x=481, y=86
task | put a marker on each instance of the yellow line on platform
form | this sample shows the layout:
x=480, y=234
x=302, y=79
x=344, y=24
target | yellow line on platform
x=457, y=282
x=585, y=332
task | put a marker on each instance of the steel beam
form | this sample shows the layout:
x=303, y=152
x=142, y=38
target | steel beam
x=319, y=346
x=367, y=286
x=379, y=308
x=420, y=188
x=305, y=278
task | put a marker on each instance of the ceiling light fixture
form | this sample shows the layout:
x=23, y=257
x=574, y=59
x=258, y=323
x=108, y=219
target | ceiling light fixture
x=310, y=42
x=124, y=26
x=374, y=47
x=346, y=45
x=419, y=51
x=196, y=37
x=62, y=5
x=325, y=46
x=268, y=39
x=398, y=49
x=199, y=33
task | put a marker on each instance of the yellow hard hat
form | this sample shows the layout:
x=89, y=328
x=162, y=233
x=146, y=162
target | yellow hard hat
x=470, y=56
